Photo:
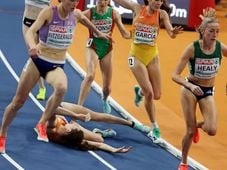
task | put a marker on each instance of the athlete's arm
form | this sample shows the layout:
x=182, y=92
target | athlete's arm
x=224, y=49
x=44, y=17
x=172, y=31
x=66, y=112
x=108, y=148
x=185, y=57
x=86, y=22
x=128, y=4
x=87, y=13
x=117, y=19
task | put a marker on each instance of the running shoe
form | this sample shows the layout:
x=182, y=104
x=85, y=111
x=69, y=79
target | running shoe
x=2, y=144
x=155, y=135
x=40, y=129
x=138, y=97
x=196, y=136
x=142, y=128
x=107, y=133
x=106, y=107
x=41, y=94
x=183, y=167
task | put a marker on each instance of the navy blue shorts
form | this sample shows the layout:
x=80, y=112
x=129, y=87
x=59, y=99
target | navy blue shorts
x=207, y=91
x=45, y=66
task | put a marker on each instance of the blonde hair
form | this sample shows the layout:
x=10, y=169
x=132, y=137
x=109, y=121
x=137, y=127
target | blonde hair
x=208, y=17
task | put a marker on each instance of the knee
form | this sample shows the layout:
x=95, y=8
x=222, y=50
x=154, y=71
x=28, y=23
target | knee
x=157, y=96
x=90, y=78
x=18, y=102
x=190, y=132
x=149, y=96
x=61, y=89
x=211, y=131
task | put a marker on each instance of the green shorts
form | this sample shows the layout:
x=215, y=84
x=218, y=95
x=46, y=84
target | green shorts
x=101, y=46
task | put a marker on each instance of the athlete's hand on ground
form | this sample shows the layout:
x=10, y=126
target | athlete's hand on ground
x=122, y=149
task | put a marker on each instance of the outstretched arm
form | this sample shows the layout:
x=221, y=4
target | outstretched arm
x=172, y=31
x=128, y=4
x=86, y=22
x=108, y=148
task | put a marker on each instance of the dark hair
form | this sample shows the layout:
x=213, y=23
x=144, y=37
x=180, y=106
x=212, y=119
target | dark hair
x=165, y=6
x=72, y=139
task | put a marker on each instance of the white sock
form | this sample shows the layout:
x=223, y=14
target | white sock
x=155, y=125
x=140, y=92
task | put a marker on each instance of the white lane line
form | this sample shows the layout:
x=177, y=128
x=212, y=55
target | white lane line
x=7, y=157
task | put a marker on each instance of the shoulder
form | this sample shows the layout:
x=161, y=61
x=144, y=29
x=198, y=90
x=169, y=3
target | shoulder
x=136, y=8
x=224, y=49
x=116, y=13
x=87, y=12
x=77, y=13
x=163, y=14
x=191, y=46
x=46, y=13
x=77, y=10
x=49, y=9
x=189, y=50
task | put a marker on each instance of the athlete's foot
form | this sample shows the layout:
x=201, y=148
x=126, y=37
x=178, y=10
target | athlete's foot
x=2, y=144
x=183, y=167
x=142, y=128
x=106, y=107
x=196, y=136
x=107, y=133
x=40, y=129
x=138, y=97
x=41, y=94
x=155, y=135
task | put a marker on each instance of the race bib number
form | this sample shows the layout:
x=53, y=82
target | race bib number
x=131, y=61
x=89, y=42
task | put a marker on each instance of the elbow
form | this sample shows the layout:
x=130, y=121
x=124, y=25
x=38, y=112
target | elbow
x=126, y=36
x=174, y=77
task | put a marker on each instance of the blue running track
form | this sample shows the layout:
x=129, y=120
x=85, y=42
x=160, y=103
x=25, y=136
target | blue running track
x=25, y=152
